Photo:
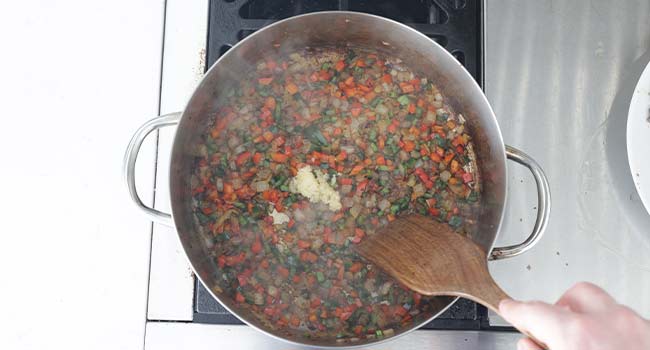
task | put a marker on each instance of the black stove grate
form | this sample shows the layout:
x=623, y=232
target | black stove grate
x=464, y=314
x=454, y=24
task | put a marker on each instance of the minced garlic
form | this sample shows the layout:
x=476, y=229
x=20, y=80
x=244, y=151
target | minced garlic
x=314, y=185
x=279, y=218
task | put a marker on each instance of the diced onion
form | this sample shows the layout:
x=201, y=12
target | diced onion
x=381, y=109
x=418, y=190
x=355, y=210
x=261, y=186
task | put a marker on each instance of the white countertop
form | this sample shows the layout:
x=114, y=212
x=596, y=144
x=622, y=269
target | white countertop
x=76, y=79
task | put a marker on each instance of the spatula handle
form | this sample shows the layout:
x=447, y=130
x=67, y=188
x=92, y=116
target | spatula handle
x=489, y=294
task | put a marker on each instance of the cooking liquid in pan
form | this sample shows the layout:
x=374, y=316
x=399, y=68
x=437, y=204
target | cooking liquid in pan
x=312, y=152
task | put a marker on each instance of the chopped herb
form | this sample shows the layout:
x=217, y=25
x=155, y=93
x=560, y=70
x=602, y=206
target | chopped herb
x=320, y=277
x=403, y=100
x=455, y=221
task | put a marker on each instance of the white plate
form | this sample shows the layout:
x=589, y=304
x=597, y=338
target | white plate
x=638, y=137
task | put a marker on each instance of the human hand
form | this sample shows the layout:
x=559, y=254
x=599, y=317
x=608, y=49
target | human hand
x=584, y=318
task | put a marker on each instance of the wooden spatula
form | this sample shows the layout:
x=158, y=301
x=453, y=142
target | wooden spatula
x=432, y=259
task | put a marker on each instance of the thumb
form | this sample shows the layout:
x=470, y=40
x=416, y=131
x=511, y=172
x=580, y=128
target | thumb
x=542, y=320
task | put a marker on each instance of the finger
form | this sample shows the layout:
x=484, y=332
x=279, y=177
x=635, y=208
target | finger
x=542, y=320
x=527, y=344
x=585, y=297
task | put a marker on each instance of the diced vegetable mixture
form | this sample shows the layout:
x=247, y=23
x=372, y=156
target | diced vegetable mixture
x=308, y=155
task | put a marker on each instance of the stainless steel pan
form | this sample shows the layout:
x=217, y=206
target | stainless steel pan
x=335, y=29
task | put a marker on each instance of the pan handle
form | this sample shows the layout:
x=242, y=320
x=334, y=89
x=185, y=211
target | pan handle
x=543, y=206
x=131, y=156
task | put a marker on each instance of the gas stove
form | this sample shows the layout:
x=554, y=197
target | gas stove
x=454, y=24
x=552, y=73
